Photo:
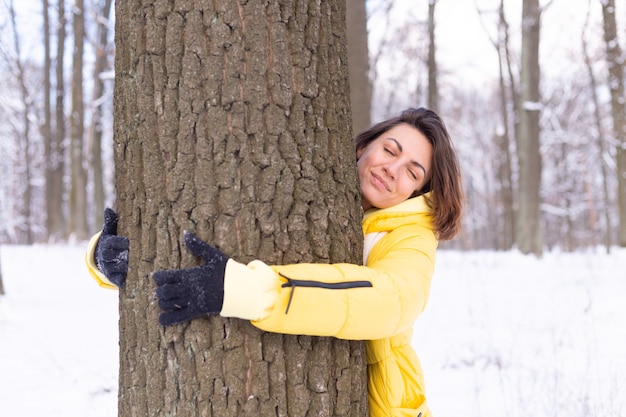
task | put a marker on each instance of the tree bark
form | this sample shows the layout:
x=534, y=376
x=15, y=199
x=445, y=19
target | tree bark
x=528, y=235
x=232, y=120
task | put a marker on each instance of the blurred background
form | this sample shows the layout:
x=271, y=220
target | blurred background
x=536, y=111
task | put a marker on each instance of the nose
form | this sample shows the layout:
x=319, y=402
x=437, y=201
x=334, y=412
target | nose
x=390, y=171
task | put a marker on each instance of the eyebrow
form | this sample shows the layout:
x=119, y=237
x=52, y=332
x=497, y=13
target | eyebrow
x=413, y=162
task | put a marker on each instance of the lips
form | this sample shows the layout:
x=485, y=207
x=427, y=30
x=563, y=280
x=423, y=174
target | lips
x=379, y=182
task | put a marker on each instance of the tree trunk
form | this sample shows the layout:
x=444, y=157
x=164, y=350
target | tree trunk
x=101, y=64
x=56, y=220
x=529, y=239
x=46, y=127
x=23, y=133
x=358, y=65
x=504, y=164
x=615, y=62
x=433, y=89
x=78, y=176
x=234, y=123
x=600, y=140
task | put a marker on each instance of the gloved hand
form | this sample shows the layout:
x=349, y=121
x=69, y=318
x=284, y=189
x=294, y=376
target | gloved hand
x=192, y=292
x=111, y=253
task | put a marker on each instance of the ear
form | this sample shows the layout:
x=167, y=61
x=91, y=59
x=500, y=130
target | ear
x=359, y=152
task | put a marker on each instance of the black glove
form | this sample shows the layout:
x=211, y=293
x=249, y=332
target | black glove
x=193, y=292
x=111, y=254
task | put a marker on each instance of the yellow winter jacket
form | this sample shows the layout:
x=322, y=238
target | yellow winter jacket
x=377, y=302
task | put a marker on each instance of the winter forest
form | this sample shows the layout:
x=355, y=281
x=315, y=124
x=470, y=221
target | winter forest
x=541, y=140
x=526, y=313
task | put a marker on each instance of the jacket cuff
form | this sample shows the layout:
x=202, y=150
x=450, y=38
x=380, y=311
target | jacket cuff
x=95, y=273
x=250, y=291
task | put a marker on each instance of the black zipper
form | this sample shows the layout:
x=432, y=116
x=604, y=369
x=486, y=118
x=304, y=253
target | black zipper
x=293, y=283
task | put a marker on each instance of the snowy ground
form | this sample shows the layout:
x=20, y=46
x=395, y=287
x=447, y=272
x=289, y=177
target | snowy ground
x=503, y=335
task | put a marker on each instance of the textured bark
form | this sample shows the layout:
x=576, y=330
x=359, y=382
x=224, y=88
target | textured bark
x=528, y=232
x=232, y=120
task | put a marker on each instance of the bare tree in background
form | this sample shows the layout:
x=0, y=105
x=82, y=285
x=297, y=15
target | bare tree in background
x=528, y=221
x=358, y=65
x=504, y=135
x=78, y=178
x=600, y=140
x=433, y=89
x=232, y=120
x=504, y=139
x=55, y=165
x=615, y=62
x=46, y=126
x=22, y=131
x=101, y=64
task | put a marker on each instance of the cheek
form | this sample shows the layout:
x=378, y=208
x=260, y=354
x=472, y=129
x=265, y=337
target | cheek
x=407, y=188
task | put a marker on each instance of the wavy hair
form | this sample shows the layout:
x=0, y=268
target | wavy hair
x=445, y=185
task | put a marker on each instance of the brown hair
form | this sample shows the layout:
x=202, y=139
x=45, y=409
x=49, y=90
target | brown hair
x=445, y=187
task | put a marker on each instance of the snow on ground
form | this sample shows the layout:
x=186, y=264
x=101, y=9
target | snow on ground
x=58, y=336
x=503, y=335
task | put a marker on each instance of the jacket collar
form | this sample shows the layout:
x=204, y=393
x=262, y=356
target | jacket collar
x=413, y=210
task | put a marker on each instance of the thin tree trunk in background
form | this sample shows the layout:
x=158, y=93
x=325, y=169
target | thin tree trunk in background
x=600, y=139
x=58, y=227
x=505, y=161
x=78, y=176
x=101, y=64
x=615, y=62
x=23, y=134
x=358, y=65
x=528, y=234
x=433, y=89
x=46, y=127
x=232, y=120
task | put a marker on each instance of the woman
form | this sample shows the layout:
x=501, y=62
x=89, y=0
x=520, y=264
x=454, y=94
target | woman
x=411, y=193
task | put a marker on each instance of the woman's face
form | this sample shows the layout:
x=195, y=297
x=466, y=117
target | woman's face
x=393, y=166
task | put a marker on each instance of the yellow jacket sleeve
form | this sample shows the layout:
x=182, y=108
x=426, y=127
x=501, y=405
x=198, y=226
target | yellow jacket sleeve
x=95, y=273
x=358, y=302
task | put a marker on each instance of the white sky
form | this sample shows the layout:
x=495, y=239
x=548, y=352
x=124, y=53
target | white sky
x=464, y=48
x=463, y=41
